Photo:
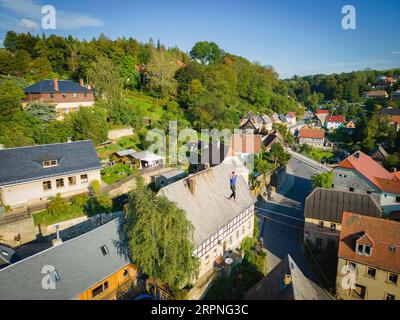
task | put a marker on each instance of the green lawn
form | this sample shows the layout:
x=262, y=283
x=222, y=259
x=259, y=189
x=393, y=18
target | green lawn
x=44, y=218
x=115, y=173
x=317, y=154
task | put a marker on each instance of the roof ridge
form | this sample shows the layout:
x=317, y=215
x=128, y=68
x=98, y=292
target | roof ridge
x=49, y=144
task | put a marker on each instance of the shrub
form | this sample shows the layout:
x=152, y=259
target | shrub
x=95, y=185
x=80, y=200
x=57, y=206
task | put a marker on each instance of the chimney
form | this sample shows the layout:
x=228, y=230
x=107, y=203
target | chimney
x=81, y=83
x=357, y=155
x=56, y=84
x=69, y=139
x=207, y=165
x=56, y=242
x=191, y=185
x=2, y=146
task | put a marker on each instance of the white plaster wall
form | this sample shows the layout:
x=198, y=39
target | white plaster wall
x=22, y=194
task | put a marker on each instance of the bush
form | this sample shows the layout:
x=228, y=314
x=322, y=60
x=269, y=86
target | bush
x=95, y=185
x=102, y=203
x=80, y=200
x=57, y=206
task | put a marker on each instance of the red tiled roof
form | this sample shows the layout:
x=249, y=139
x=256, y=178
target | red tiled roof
x=292, y=114
x=322, y=111
x=312, y=133
x=382, y=234
x=246, y=143
x=372, y=171
x=337, y=118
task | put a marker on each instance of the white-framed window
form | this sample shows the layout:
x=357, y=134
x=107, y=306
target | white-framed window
x=46, y=185
x=84, y=178
x=363, y=249
x=60, y=183
x=50, y=163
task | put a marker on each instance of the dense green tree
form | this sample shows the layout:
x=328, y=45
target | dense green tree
x=206, y=52
x=322, y=180
x=46, y=112
x=161, y=238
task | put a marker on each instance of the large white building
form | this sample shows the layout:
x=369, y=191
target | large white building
x=33, y=174
x=220, y=224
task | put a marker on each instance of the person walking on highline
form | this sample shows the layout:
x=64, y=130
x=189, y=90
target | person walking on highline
x=233, y=181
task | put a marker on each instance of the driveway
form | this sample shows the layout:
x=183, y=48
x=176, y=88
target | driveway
x=284, y=221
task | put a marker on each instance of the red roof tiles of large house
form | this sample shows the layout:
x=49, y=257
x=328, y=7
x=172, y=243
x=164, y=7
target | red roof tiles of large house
x=321, y=111
x=373, y=171
x=337, y=118
x=380, y=234
x=312, y=133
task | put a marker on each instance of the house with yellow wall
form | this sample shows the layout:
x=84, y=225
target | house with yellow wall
x=93, y=266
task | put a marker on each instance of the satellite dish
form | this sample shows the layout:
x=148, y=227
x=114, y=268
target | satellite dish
x=228, y=261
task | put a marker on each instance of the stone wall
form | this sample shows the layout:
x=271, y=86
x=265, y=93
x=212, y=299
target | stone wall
x=23, y=229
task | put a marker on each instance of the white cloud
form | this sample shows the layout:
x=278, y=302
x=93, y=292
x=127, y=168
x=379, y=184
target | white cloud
x=395, y=52
x=29, y=24
x=29, y=9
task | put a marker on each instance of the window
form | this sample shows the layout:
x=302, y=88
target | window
x=363, y=250
x=392, y=248
x=319, y=242
x=100, y=289
x=64, y=95
x=393, y=278
x=368, y=192
x=371, y=272
x=351, y=189
x=333, y=226
x=390, y=296
x=321, y=224
x=237, y=234
x=84, y=178
x=49, y=163
x=126, y=273
x=52, y=95
x=360, y=291
x=60, y=183
x=242, y=230
x=352, y=265
x=207, y=259
x=46, y=185
x=230, y=240
x=104, y=250
x=72, y=181
x=397, y=199
x=75, y=95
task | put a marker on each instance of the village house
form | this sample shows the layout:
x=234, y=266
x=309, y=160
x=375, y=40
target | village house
x=351, y=125
x=370, y=247
x=284, y=282
x=220, y=224
x=360, y=173
x=245, y=146
x=334, y=122
x=37, y=173
x=274, y=137
x=275, y=118
x=291, y=118
x=124, y=156
x=93, y=266
x=376, y=94
x=396, y=95
x=312, y=137
x=252, y=123
x=320, y=116
x=267, y=123
x=379, y=154
x=323, y=211
x=66, y=95
x=393, y=116
x=142, y=159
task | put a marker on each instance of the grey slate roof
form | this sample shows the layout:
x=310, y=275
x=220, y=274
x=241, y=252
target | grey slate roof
x=208, y=208
x=18, y=165
x=79, y=263
x=390, y=112
x=125, y=153
x=329, y=205
x=170, y=174
x=272, y=287
x=7, y=256
x=47, y=86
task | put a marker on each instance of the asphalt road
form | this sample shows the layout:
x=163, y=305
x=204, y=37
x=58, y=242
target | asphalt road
x=284, y=221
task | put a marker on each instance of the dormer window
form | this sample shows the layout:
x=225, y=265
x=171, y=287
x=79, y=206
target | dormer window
x=363, y=249
x=50, y=163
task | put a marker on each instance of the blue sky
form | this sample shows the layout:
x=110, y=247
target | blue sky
x=294, y=36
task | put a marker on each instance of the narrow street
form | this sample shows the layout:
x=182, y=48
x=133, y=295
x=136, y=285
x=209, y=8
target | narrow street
x=283, y=218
